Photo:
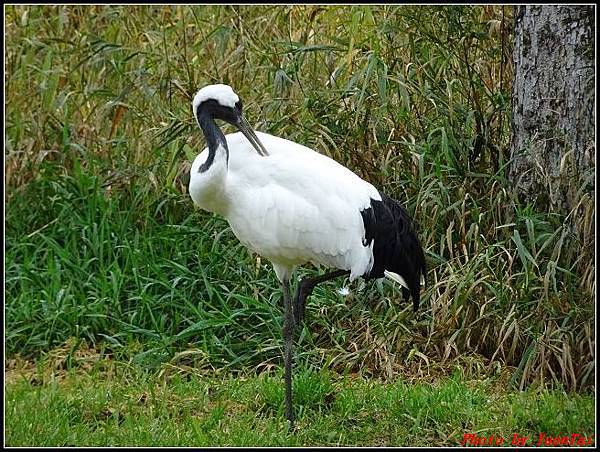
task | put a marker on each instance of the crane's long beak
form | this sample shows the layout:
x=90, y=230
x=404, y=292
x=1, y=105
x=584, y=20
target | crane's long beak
x=245, y=128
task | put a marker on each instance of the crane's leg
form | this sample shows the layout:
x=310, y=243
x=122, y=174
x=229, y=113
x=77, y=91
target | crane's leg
x=288, y=333
x=305, y=288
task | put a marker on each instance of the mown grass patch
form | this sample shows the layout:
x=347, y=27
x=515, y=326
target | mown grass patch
x=103, y=245
x=130, y=406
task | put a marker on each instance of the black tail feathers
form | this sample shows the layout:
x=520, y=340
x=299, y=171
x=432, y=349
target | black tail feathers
x=397, y=248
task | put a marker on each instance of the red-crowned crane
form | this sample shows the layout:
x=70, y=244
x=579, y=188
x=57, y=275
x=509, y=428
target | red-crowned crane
x=293, y=205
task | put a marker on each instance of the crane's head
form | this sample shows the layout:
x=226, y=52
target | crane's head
x=221, y=102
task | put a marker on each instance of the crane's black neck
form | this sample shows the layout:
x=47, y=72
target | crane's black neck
x=214, y=137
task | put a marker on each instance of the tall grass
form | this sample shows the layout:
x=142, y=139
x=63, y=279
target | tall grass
x=103, y=244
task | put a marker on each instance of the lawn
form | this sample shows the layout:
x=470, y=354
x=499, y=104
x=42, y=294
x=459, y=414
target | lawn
x=104, y=403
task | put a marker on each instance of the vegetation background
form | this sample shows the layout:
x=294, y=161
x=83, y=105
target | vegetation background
x=108, y=261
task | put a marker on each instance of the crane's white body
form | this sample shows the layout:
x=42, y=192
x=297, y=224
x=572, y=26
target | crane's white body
x=292, y=207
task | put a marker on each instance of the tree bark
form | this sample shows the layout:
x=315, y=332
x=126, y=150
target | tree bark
x=552, y=149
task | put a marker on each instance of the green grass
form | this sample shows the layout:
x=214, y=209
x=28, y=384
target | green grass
x=128, y=407
x=104, y=247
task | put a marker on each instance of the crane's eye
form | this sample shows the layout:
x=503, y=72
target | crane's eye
x=238, y=105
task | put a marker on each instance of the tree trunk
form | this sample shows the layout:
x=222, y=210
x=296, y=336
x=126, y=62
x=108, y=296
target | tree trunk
x=552, y=152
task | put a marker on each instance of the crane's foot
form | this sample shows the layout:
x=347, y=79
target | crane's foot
x=291, y=426
x=305, y=288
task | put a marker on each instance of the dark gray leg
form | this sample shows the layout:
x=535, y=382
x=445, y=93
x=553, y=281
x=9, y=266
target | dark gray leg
x=288, y=333
x=305, y=288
